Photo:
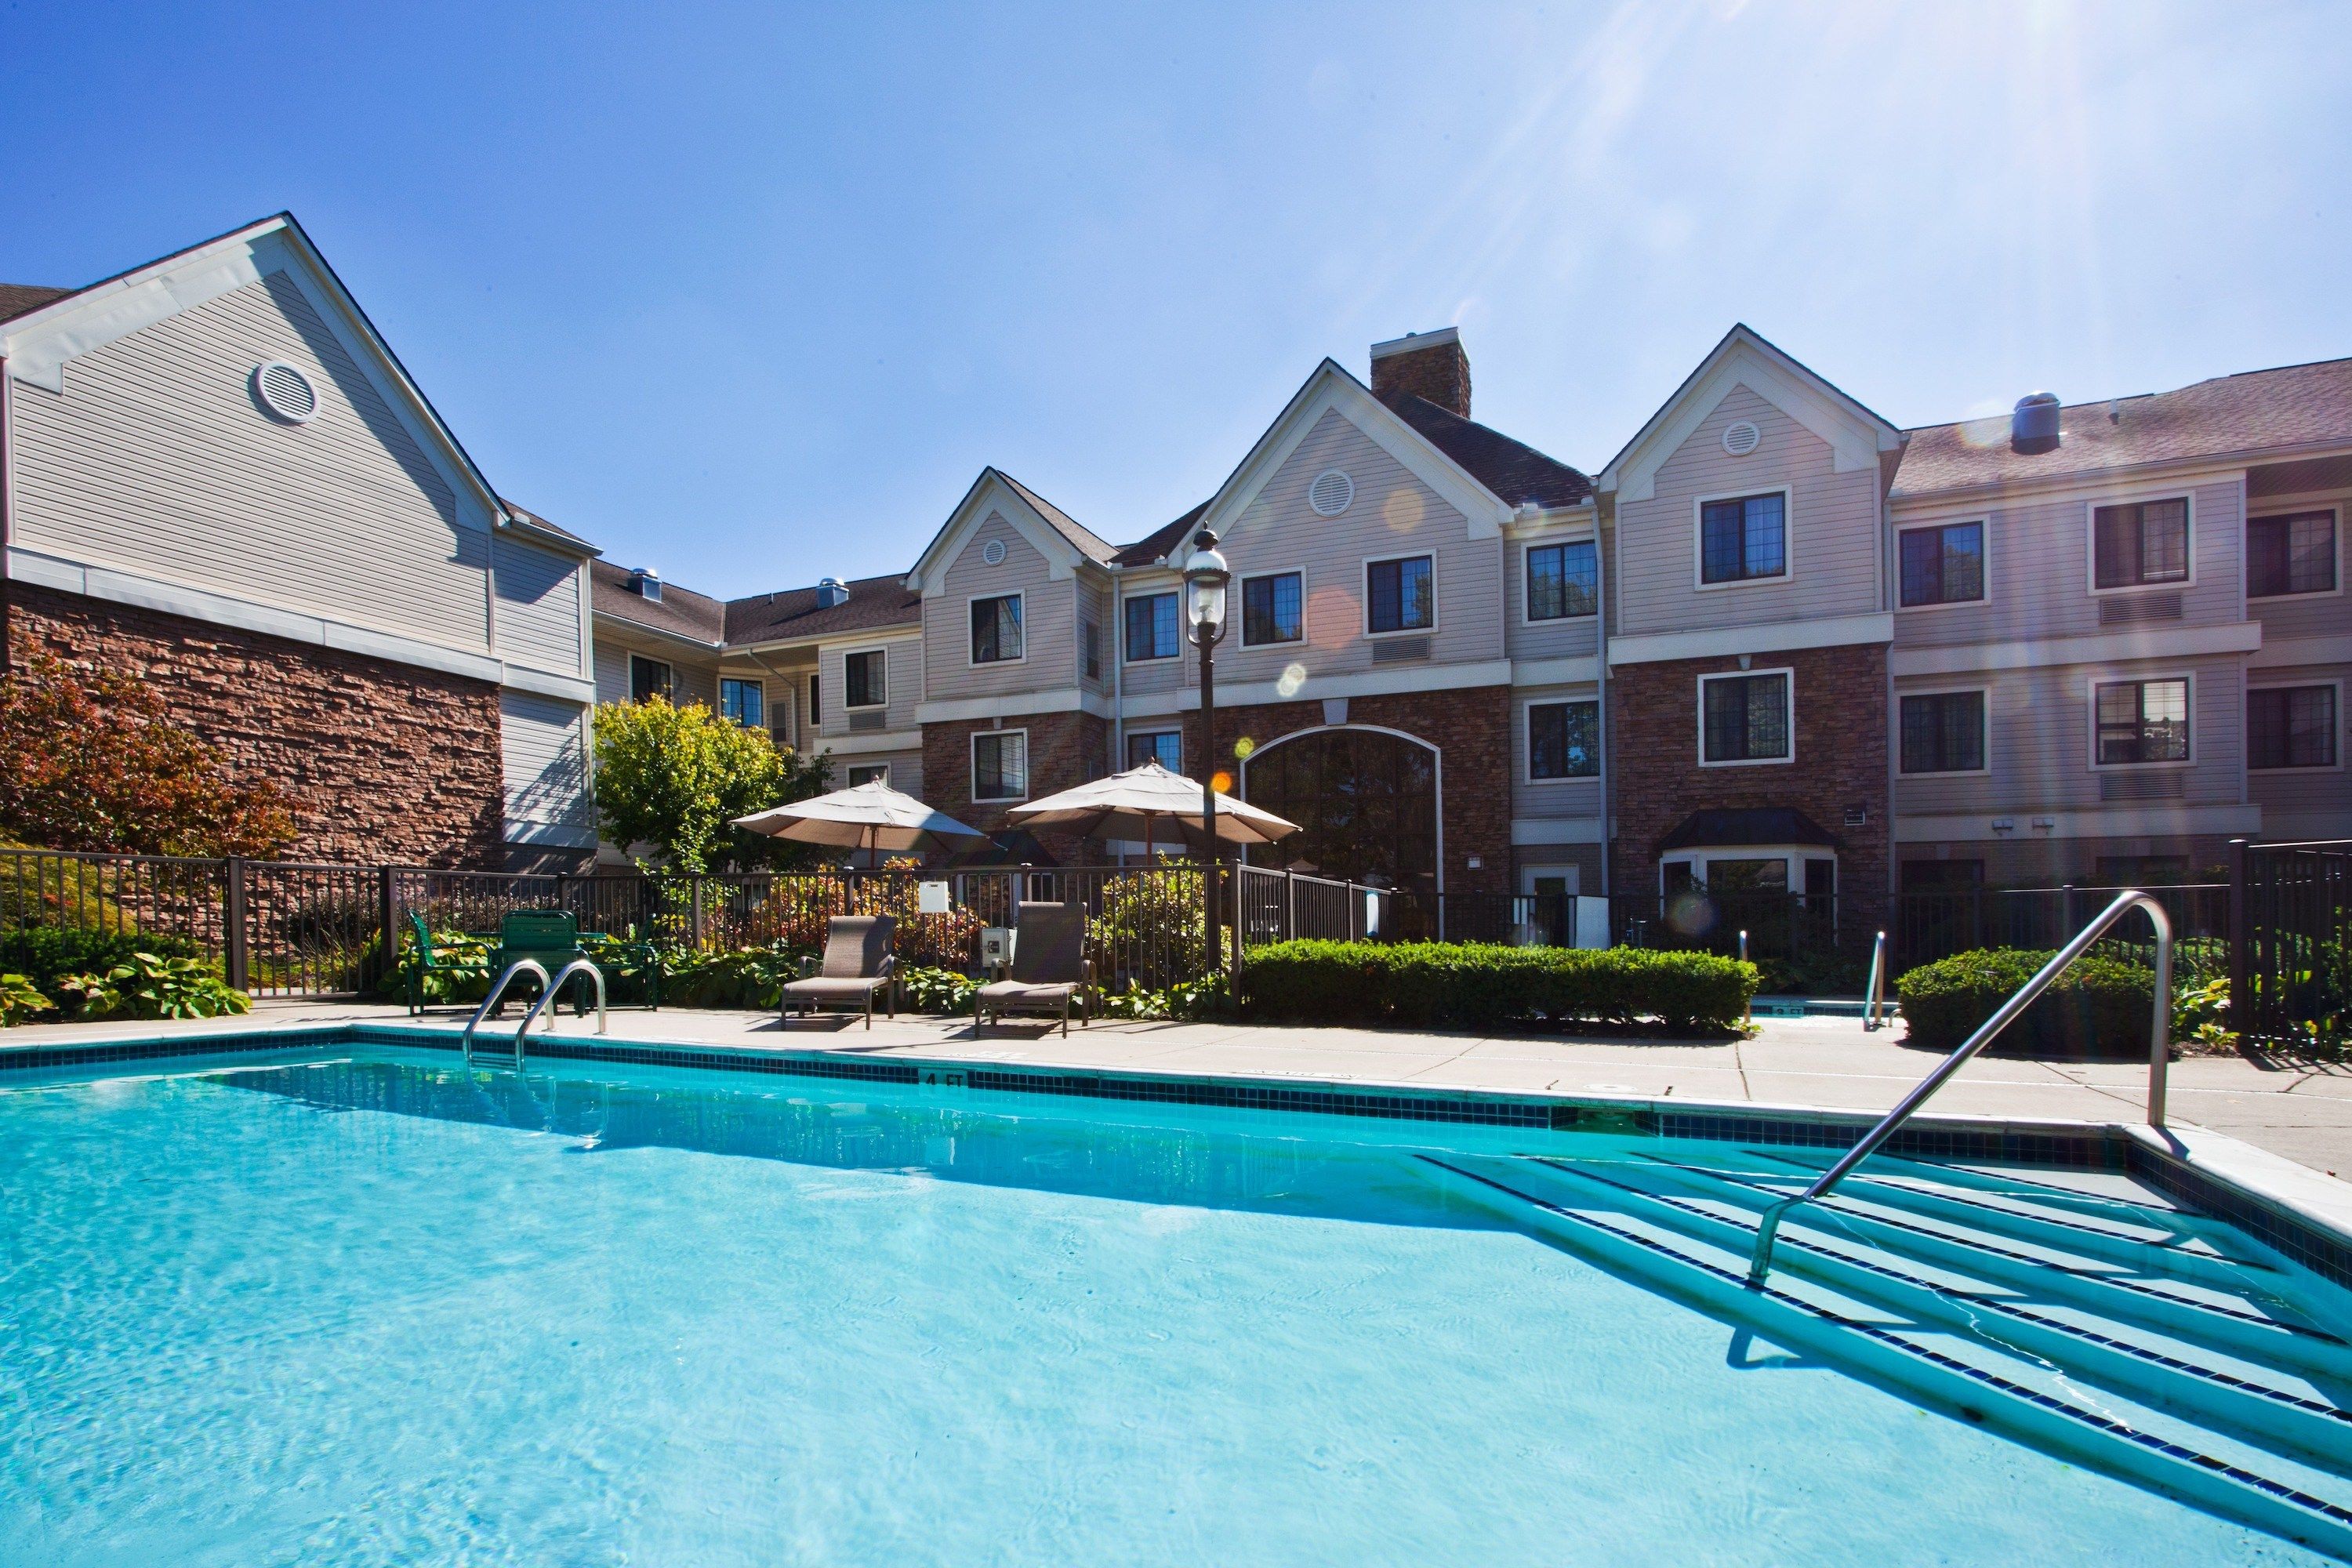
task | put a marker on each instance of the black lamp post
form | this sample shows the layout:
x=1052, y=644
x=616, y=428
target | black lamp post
x=1205, y=579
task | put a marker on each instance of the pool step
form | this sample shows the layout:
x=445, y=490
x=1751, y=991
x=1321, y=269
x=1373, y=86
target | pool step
x=2231, y=1432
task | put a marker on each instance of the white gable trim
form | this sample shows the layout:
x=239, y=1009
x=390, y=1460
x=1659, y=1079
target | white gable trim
x=39, y=343
x=1332, y=390
x=990, y=493
x=1855, y=436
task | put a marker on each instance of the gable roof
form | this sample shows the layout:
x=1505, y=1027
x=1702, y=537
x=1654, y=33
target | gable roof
x=1091, y=546
x=1060, y=532
x=1514, y=470
x=2294, y=407
x=1153, y=547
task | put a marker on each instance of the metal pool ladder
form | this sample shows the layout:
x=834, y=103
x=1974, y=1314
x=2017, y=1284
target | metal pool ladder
x=548, y=990
x=2158, y=1051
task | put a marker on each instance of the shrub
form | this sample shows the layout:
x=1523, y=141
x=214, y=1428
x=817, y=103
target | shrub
x=1479, y=985
x=44, y=954
x=20, y=1001
x=675, y=778
x=145, y=985
x=930, y=990
x=2099, y=1006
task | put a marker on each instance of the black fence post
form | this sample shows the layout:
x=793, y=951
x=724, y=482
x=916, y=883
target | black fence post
x=235, y=957
x=696, y=913
x=2240, y=1001
x=2067, y=924
x=387, y=951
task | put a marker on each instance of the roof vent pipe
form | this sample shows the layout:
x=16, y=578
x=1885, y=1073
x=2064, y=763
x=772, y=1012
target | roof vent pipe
x=2033, y=423
x=646, y=583
x=831, y=591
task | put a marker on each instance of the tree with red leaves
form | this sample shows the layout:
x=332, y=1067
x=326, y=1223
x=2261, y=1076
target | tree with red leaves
x=89, y=760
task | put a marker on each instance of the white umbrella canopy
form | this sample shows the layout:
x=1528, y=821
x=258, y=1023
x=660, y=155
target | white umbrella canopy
x=1129, y=805
x=871, y=817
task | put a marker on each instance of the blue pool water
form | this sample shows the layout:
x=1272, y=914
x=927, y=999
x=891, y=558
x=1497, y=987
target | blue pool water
x=380, y=1308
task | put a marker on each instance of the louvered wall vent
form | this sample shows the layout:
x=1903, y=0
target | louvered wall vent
x=877, y=720
x=1331, y=493
x=2139, y=607
x=992, y=552
x=2144, y=786
x=1400, y=650
x=284, y=390
x=1739, y=438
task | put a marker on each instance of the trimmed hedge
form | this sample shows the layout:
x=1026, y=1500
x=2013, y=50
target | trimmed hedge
x=1476, y=985
x=2099, y=1007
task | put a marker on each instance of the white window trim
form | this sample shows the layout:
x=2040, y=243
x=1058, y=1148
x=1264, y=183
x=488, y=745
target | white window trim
x=1982, y=598
x=1699, y=719
x=1020, y=597
x=2336, y=510
x=1699, y=857
x=745, y=680
x=1176, y=593
x=1788, y=573
x=2291, y=771
x=1240, y=604
x=884, y=649
x=1570, y=870
x=2112, y=678
x=971, y=775
x=2138, y=498
x=1530, y=545
x=1364, y=579
x=848, y=768
x=1135, y=734
x=670, y=685
x=1527, y=740
x=1984, y=741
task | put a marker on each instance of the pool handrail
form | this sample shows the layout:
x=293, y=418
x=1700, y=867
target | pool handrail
x=520, y=967
x=1875, y=1000
x=2158, y=1053
x=547, y=1000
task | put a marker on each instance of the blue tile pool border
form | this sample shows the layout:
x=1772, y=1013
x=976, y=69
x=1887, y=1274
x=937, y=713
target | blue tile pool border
x=2078, y=1146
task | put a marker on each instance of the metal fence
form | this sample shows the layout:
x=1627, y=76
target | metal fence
x=1282, y=906
x=2290, y=925
x=1932, y=925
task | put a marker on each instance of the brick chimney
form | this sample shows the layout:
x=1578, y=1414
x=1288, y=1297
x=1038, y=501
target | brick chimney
x=1427, y=364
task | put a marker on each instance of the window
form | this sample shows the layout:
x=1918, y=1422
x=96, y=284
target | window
x=1090, y=649
x=1563, y=740
x=1151, y=627
x=869, y=772
x=1942, y=876
x=2140, y=871
x=1943, y=565
x=2291, y=727
x=864, y=678
x=744, y=702
x=2292, y=555
x=1402, y=595
x=1763, y=876
x=996, y=629
x=1563, y=580
x=2143, y=544
x=649, y=679
x=1000, y=764
x=816, y=687
x=2142, y=722
x=1744, y=718
x=1743, y=537
x=1272, y=609
x=1944, y=732
x=1165, y=747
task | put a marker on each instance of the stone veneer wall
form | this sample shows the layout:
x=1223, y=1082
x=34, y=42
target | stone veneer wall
x=383, y=761
x=1471, y=728
x=1064, y=749
x=1841, y=759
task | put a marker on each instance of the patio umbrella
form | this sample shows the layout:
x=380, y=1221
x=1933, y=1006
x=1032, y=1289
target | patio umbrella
x=1129, y=805
x=871, y=817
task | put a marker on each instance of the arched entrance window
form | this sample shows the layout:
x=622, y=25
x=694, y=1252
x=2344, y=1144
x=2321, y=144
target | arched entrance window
x=1366, y=802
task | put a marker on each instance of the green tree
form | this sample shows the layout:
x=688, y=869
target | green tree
x=675, y=778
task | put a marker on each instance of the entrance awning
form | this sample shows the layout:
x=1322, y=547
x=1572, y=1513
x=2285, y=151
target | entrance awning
x=1728, y=828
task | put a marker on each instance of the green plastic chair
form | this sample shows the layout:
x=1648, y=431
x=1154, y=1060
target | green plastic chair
x=423, y=959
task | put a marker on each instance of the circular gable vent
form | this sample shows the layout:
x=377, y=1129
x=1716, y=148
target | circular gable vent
x=284, y=390
x=1739, y=438
x=992, y=552
x=1330, y=493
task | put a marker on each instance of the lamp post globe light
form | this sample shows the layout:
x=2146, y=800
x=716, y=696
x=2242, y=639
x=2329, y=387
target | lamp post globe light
x=1206, y=577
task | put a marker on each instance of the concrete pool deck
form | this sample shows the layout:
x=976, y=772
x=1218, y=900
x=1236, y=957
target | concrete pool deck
x=2299, y=1109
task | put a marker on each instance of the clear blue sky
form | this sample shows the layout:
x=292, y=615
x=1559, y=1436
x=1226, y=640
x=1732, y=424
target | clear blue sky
x=751, y=296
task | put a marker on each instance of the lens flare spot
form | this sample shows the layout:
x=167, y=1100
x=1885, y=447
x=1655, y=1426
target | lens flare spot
x=1243, y=747
x=1222, y=782
x=1292, y=678
x=1692, y=914
x=1403, y=510
x=1333, y=619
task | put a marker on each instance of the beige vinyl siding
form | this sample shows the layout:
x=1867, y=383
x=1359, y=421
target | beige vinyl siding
x=2314, y=803
x=906, y=769
x=695, y=674
x=2038, y=569
x=1392, y=514
x=540, y=617
x=156, y=459
x=2308, y=615
x=1094, y=603
x=1832, y=530
x=1047, y=620
x=612, y=671
x=1578, y=637
x=902, y=684
x=1554, y=798
x=2039, y=743
x=544, y=742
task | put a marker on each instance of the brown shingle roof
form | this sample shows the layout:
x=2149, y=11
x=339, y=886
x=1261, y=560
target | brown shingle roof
x=1090, y=544
x=16, y=299
x=679, y=610
x=1515, y=471
x=873, y=602
x=1160, y=540
x=2297, y=405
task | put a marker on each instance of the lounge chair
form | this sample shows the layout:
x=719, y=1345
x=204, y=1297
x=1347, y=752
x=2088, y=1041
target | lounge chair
x=423, y=959
x=1050, y=968
x=857, y=963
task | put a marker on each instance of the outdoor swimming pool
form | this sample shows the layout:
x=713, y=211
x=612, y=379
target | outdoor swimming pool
x=379, y=1308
